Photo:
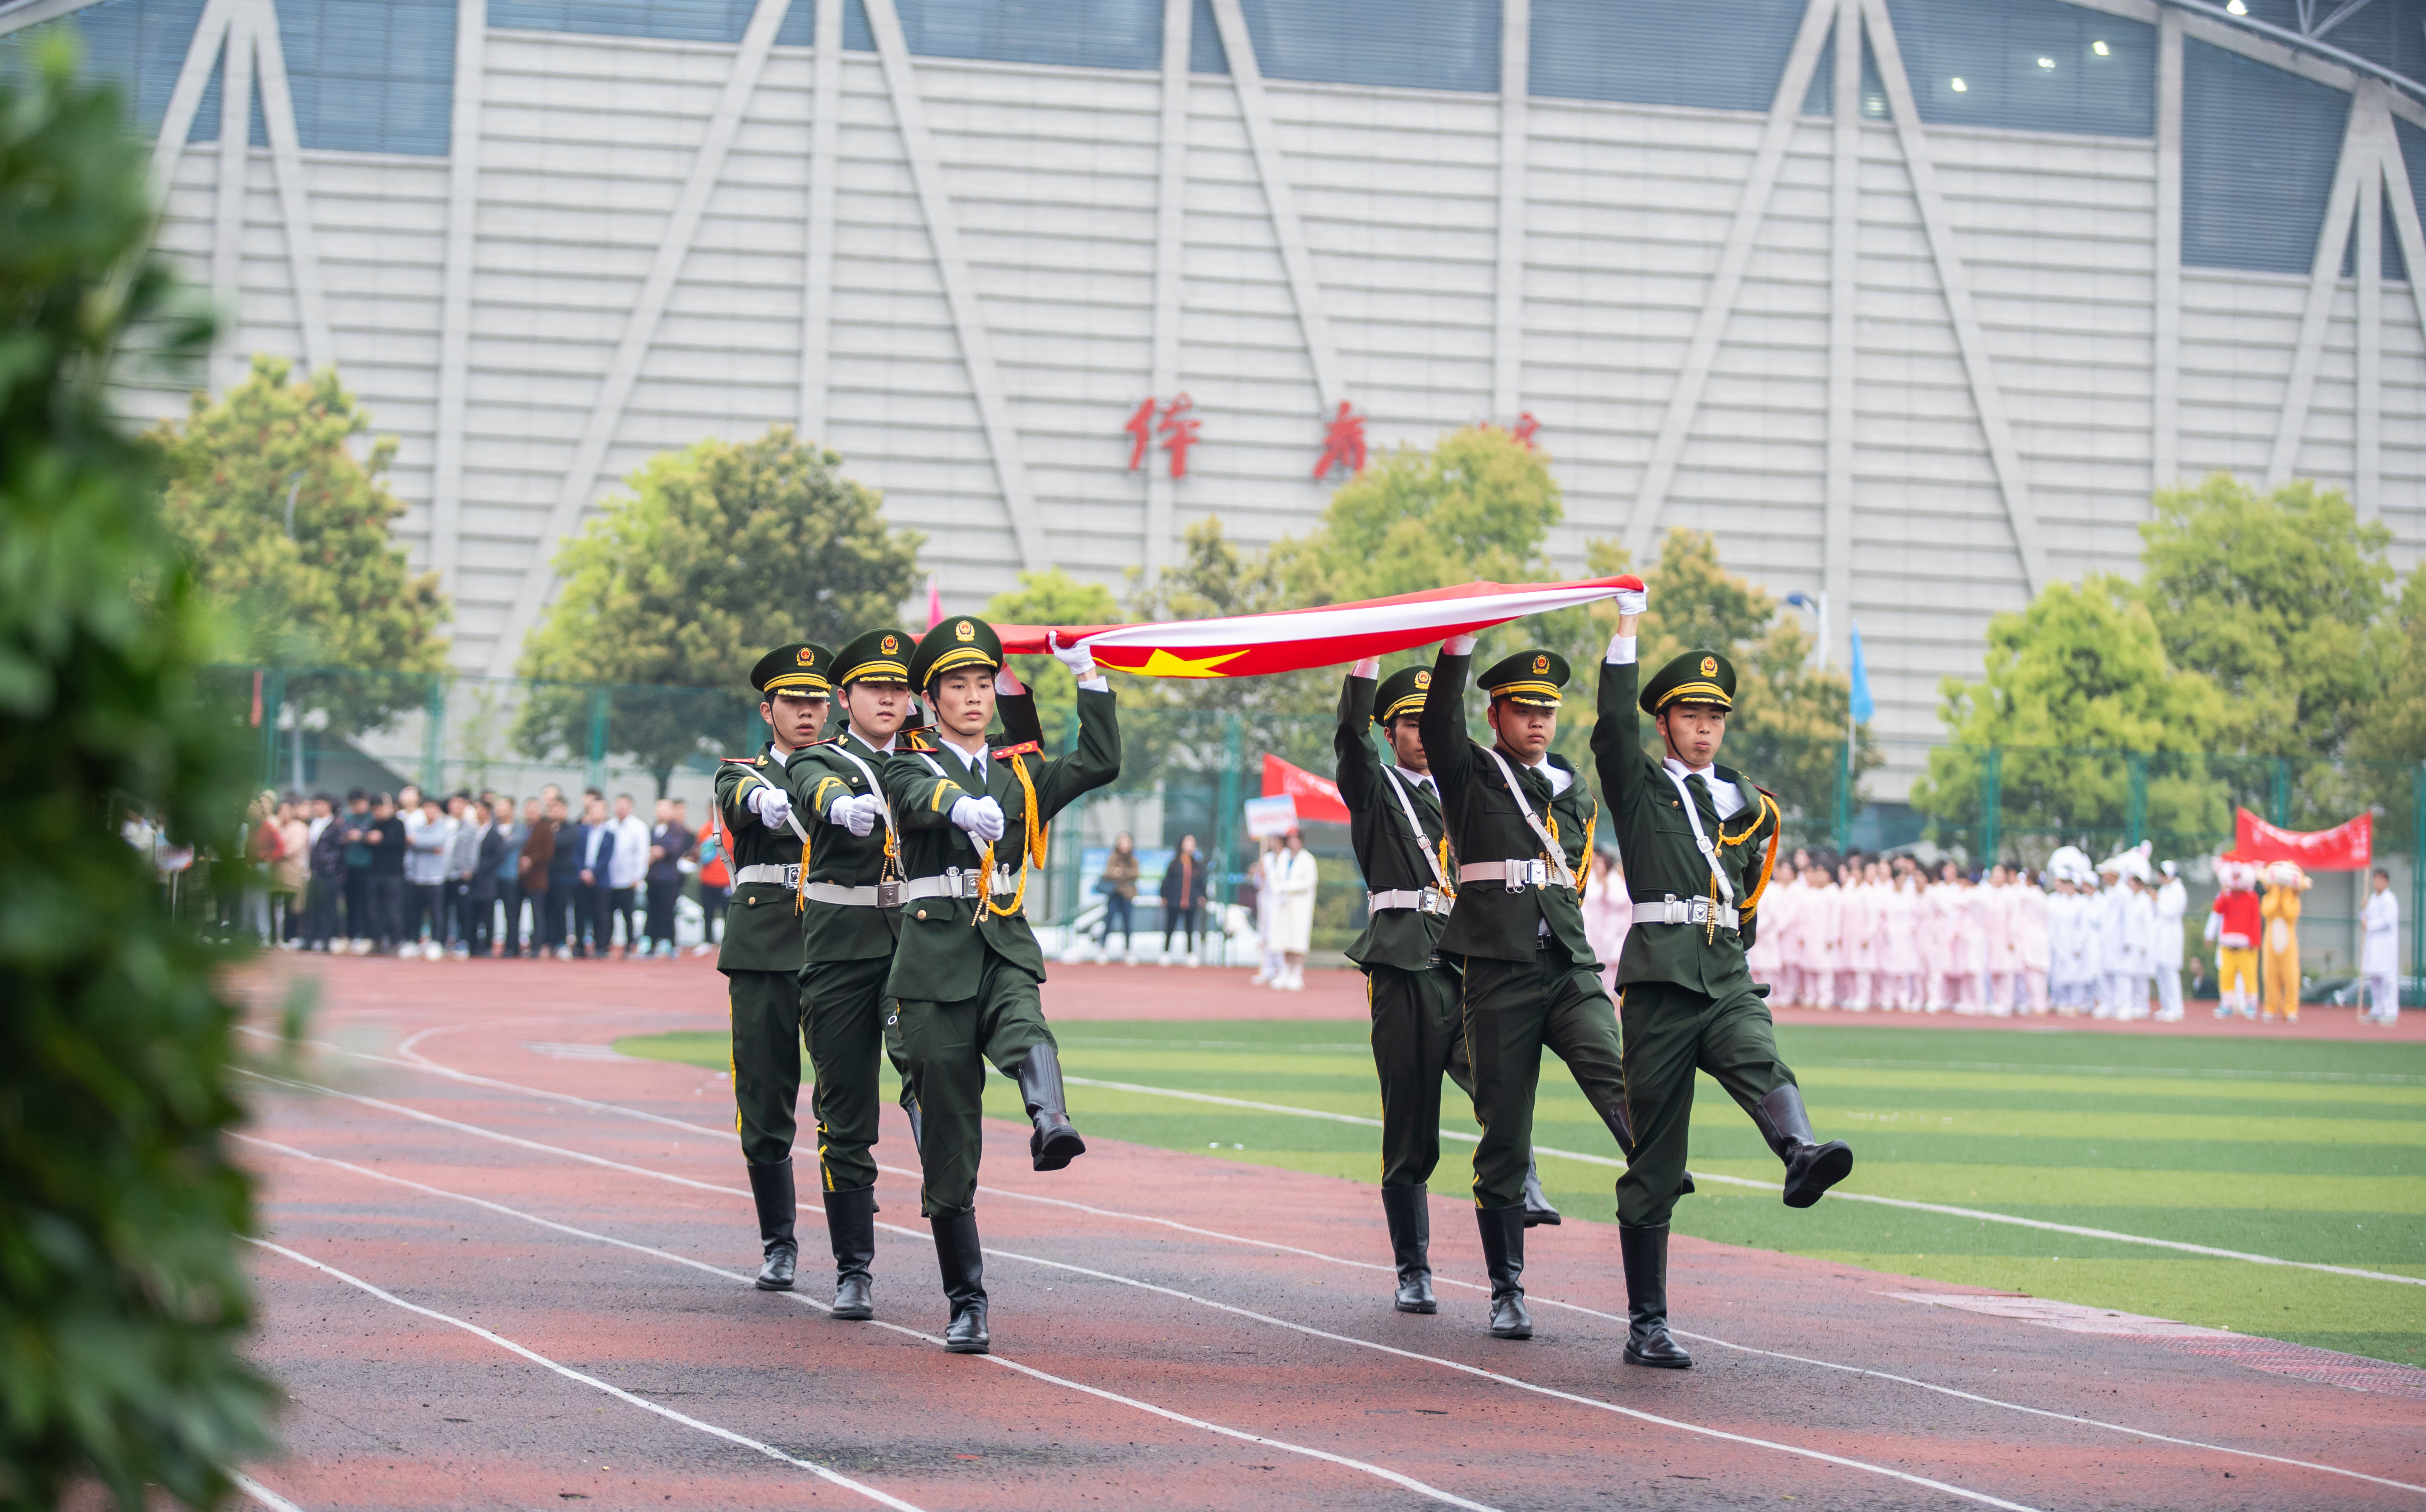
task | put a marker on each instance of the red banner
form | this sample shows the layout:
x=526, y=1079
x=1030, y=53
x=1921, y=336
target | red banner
x=2344, y=848
x=1254, y=646
x=1317, y=798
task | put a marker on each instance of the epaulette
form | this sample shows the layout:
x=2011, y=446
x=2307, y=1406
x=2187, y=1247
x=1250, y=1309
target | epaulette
x=745, y=761
x=1024, y=748
x=916, y=740
x=831, y=740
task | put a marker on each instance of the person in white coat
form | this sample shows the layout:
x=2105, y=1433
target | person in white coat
x=1293, y=885
x=2106, y=929
x=1268, y=912
x=2173, y=903
x=2137, y=919
x=2379, y=955
x=2031, y=942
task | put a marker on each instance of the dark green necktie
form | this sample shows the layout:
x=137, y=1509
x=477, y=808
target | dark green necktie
x=1704, y=804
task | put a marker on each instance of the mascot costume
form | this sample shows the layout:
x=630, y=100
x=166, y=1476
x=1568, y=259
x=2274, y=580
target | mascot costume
x=2278, y=964
x=2233, y=926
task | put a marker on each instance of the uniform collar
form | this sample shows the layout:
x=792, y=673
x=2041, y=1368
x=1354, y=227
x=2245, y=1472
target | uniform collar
x=891, y=744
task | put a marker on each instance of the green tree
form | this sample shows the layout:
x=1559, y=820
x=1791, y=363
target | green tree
x=1480, y=504
x=721, y=551
x=1052, y=597
x=2083, y=666
x=2393, y=735
x=1177, y=720
x=322, y=584
x=1787, y=732
x=2276, y=599
x=122, y=1299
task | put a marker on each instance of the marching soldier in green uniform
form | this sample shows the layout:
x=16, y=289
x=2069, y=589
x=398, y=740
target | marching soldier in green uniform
x=1521, y=825
x=761, y=955
x=1418, y=1029
x=972, y=817
x=1699, y=841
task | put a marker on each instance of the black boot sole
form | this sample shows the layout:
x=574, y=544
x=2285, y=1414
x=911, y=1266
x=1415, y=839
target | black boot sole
x=1832, y=1164
x=1542, y=1217
x=1404, y=1305
x=1633, y=1358
x=1055, y=1152
x=765, y=1285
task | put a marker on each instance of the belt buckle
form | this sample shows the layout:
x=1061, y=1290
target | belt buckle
x=1698, y=911
x=888, y=895
x=1537, y=871
x=1430, y=901
x=792, y=876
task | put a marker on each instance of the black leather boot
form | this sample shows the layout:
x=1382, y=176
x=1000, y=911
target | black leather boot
x=770, y=1190
x=1647, y=1342
x=963, y=1266
x=1411, y=1236
x=851, y=1223
x=1811, y=1167
x=1055, y=1144
x=1503, y=1258
x=1537, y=1205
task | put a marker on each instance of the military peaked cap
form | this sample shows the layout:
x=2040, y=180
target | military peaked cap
x=799, y=669
x=876, y=656
x=961, y=640
x=1528, y=678
x=1695, y=677
x=1400, y=693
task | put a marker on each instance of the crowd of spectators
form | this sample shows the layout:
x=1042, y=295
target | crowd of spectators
x=415, y=875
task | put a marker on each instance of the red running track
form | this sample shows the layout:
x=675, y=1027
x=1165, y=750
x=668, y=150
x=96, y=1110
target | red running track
x=1171, y=1331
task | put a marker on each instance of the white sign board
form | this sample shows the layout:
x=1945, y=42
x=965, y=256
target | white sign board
x=1270, y=815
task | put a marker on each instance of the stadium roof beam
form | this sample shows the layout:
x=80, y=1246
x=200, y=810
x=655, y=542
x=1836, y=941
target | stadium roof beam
x=1844, y=254
x=294, y=194
x=817, y=270
x=2165, y=378
x=641, y=326
x=960, y=285
x=1170, y=249
x=2405, y=229
x=1508, y=288
x=1785, y=114
x=2358, y=161
x=1263, y=138
x=236, y=165
x=455, y=289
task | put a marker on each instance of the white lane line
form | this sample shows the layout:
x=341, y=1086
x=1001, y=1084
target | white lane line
x=1335, y=1260
x=2160, y=1072
x=594, y=1382
x=744, y=1279
x=261, y=1493
x=1835, y=1195
x=1242, y=1312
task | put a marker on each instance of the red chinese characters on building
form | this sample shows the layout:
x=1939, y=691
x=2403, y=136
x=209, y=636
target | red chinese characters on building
x=1174, y=423
x=1343, y=443
x=1526, y=428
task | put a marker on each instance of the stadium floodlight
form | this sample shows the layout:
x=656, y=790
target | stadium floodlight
x=2098, y=47
x=1960, y=86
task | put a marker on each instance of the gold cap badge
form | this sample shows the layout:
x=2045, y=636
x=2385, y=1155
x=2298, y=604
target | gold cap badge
x=806, y=656
x=892, y=646
x=1710, y=666
x=1423, y=679
x=964, y=631
x=1540, y=664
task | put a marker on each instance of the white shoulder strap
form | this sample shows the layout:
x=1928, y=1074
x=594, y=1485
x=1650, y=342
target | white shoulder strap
x=1709, y=852
x=1557, y=857
x=1399, y=781
x=875, y=786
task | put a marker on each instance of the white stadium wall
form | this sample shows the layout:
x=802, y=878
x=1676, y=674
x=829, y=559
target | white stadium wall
x=1915, y=343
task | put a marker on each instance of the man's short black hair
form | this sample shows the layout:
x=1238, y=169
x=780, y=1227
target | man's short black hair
x=323, y=798
x=355, y=795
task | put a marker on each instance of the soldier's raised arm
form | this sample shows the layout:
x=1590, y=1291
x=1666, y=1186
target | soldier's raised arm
x=1447, y=745
x=1097, y=758
x=1359, y=766
x=1617, y=734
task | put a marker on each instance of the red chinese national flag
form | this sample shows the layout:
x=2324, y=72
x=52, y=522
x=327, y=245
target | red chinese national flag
x=1255, y=645
x=1317, y=798
x=2346, y=847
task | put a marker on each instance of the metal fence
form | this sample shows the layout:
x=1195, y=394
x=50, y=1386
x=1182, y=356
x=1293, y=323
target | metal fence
x=1186, y=771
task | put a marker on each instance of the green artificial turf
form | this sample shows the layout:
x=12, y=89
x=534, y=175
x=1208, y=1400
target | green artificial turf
x=2307, y=1151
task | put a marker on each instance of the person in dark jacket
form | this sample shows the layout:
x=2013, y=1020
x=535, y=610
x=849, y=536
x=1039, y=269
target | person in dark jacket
x=476, y=890
x=669, y=841
x=539, y=873
x=505, y=881
x=353, y=833
x=384, y=896
x=1183, y=899
x=594, y=851
x=563, y=882
x=328, y=881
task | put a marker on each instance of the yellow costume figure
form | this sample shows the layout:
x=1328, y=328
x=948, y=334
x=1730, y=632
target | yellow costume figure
x=2278, y=966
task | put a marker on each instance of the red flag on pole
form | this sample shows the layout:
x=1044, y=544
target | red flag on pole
x=256, y=698
x=2347, y=847
x=935, y=602
x=1317, y=798
x=1254, y=646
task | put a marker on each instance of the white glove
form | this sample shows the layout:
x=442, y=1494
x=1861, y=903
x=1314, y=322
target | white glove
x=1459, y=645
x=1007, y=683
x=1633, y=600
x=1369, y=666
x=771, y=804
x=856, y=814
x=1080, y=660
x=981, y=817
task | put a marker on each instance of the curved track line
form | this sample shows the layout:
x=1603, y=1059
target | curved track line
x=570, y=1373
x=743, y=1279
x=1308, y=1329
x=261, y=1493
x=2126, y=1429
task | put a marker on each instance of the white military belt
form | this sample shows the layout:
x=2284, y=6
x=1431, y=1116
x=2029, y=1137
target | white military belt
x=1422, y=900
x=959, y=884
x=881, y=895
x=1515, y=875
x=1676, y=910
x=780, y=876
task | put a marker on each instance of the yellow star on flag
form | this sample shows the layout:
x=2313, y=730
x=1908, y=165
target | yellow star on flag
x=1161, y=663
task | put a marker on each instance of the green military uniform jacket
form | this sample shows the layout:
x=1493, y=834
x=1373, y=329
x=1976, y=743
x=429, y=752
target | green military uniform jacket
x=1391, y=856
x=943, y=955
x=761, y=930
x=1662, y=859
x=1484, y=824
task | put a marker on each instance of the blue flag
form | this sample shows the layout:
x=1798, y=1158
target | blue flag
x=1863, y=708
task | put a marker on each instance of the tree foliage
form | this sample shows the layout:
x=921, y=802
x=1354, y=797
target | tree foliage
x=1052, y=597
x=332, y=589
x=2070, y=683
x=1787, y=731
x=121, y=1298
x=721, y=552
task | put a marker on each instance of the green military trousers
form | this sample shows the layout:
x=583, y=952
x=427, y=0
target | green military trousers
x=1418, y=1037
x=847, y=1017
x=1513, y=1010
x=947, y=1046
x=766, y=1062
x=1671, y=1032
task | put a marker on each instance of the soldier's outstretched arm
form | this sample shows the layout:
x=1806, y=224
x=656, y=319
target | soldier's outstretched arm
x=1359, y=764
x=1617, y=733
x=1446, y=746
x=1097, y=758
x=1021, y=723
x=921, y=798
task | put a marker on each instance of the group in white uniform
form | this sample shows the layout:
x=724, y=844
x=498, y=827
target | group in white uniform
x=2379, y=955
x=1882, y=936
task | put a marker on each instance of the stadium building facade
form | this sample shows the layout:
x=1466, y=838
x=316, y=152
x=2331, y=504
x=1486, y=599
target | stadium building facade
x=1911, y=302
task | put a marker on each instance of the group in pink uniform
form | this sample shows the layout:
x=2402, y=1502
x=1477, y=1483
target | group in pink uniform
x=1882, y=936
